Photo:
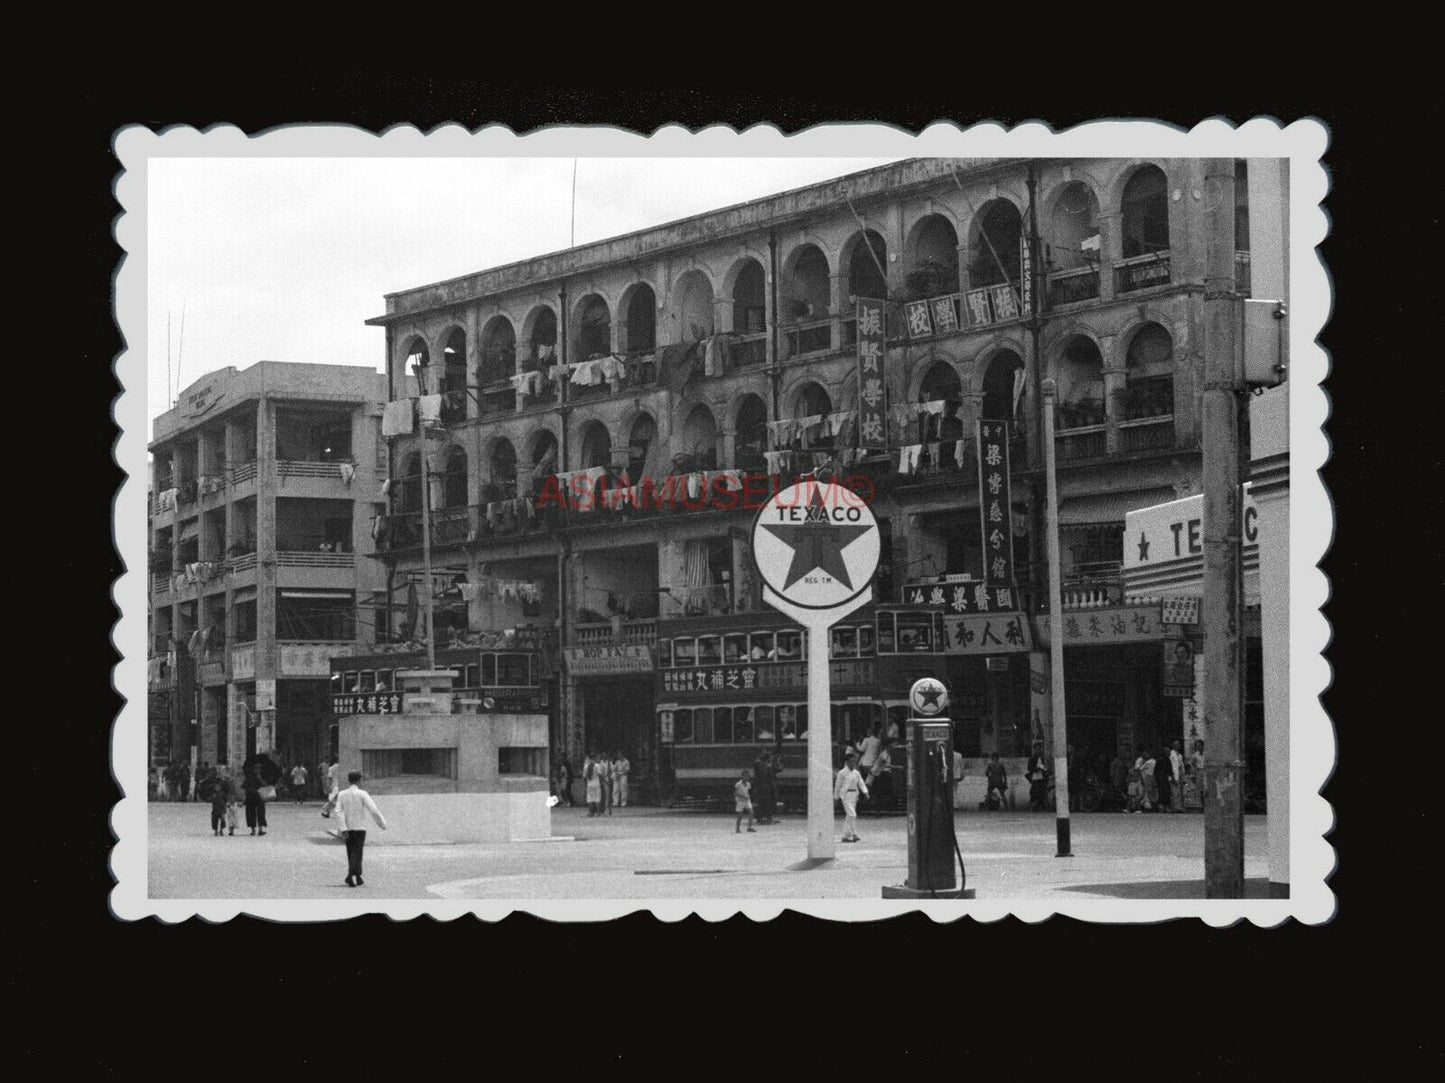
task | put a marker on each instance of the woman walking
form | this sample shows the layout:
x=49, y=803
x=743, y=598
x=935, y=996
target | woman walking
x=592, y=773
x=255, y=803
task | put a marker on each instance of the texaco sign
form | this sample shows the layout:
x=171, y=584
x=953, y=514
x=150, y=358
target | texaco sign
x=816, y=545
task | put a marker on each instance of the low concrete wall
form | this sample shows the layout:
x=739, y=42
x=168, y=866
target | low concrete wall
x=414, y=818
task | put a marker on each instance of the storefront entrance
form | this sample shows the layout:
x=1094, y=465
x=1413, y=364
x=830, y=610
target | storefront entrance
x=619, y=716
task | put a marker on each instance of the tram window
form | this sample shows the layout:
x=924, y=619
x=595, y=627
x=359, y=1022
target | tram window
x=790, y=646
x=735, y=648
x=709, y=650
x=844, y=643
x=664, y=653
x=887, y=642
x=367, y=682
x=865, y=641
x=763, y=724
x=682, y=726
x=802, y=721
x=915, y=632
x=742, y=725
x=762, y=647
x=712, y=725
x=489, y=671
x=788, y=721
x=514, y=670
x=684, y=652
x=348, y=682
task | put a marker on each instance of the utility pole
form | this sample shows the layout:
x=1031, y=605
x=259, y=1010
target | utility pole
x=431, y=642
x=1223, y=575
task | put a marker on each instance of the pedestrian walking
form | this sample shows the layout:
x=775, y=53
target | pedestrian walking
x=183, y=783
x=255, y=803
x=298, y=782
x=1176, y=771
x=333, y=775
x=163, y=782
x=604, y=772
x=592, y=776
x=996, y=776
x=1146, y=765
x=353, y=805
x=564, y=772
x=621, y=771
x=1038, y=777
x=743, y=801
x=847, y=785
x=220, y=798
x=764, y=787
x=880, y=780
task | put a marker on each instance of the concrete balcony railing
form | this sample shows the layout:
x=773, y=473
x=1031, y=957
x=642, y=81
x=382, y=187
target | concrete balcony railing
x=243, y=472
x=328, y=471
x=1142, y=272
x=1071, y=287
x=1147, y=433
x=618, y=633
x=292, y=558
x=1086, y=442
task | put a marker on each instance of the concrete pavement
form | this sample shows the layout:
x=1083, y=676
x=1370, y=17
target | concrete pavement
x=652, y=854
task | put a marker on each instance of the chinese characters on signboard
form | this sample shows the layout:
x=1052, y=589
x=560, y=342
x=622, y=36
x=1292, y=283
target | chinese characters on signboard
x=872, y=394
x=1001, y=633
x=1116, y=624
x=965, y=597
x=995, y=504
x=593, y=661
x=920, y=322
x=1181, y=611
x=367, y=703
x=753, y=677
x=1026, y=275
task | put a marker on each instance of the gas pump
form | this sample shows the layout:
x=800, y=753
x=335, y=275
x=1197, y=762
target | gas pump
x=932, y=844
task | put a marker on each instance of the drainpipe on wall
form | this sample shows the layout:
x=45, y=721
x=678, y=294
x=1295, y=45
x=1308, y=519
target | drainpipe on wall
x=773, y=321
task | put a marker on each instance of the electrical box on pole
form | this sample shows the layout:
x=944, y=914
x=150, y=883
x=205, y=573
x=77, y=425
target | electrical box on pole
x=1264, y=342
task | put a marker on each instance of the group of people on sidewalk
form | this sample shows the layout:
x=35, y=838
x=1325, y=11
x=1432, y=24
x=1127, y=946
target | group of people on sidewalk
x=1155, y=783
x=606, y=782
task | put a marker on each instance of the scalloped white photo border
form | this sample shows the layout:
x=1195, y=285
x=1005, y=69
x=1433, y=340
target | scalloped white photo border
x=1312, y=738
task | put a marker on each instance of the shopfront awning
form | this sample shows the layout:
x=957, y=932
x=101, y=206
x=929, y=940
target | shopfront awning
x=1107, y=508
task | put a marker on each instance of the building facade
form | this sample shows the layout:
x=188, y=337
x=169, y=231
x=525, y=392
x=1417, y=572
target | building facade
x=265, y=486
x=726, y=346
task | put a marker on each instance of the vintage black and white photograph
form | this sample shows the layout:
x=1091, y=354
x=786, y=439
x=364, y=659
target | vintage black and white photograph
x=853, y=522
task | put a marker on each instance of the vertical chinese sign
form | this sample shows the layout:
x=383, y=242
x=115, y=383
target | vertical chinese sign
x=995, y=503
x=872, y=394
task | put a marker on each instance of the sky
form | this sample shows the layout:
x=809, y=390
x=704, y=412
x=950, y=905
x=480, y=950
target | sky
x=283, y=259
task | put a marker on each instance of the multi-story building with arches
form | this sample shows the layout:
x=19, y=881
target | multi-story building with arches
x=696, y=347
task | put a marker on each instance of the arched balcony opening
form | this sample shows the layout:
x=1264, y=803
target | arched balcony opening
x=499, y=351
x=542, y=353
x=811, y=402
x=594, y=329
x=933, y=259
x=749, y=345
x=406, y=493
x=752, y=434
x=941, y=384
x=805, y=300
x=867, y=264
x=693, y=310
x=639, y=327
x=993, y=247
x=1144, y=231
x=454, y=480
x=501, y=483
x=454, y=377
x=1073, y=252
x=596, y=446
x=699, y=442
x=642, y=449
x=1080, y=409
x=415, y=363
x=1146, y=414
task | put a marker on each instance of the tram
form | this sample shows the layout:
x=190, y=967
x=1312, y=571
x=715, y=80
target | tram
x=728, y=688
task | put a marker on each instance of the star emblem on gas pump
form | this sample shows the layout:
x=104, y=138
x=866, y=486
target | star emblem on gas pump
x=928, y=695
x=817, y=543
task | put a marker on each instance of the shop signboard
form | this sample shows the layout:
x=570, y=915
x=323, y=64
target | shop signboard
x=960, y=594
x=1164, y=548
x=748, y=679
x=872, y=393
x=998, y=633
x=608, y=661
x=1107, y=626
x=1181, y=611
x=305, y=660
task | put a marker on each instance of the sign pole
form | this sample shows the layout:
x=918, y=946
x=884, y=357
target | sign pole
x=821, y=845
x=1056, y=634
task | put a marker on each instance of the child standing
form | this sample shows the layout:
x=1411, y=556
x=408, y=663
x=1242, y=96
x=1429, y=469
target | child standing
x=219, y=790
x=846, y=788
x=743, y=801
x=233, y=805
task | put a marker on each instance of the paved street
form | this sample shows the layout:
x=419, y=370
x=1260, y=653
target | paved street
x=648, y=853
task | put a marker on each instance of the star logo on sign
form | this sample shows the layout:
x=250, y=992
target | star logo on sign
x=1143, y=546
x=817, y=543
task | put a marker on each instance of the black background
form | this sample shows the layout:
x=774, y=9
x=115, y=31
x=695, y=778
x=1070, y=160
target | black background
x=1175, y=1000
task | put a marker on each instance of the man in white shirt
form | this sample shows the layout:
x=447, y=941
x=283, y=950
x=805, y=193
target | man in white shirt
x=352, y=806
x=621, y=768
x=846, y=788
x=1176, y=768
x=298, y=783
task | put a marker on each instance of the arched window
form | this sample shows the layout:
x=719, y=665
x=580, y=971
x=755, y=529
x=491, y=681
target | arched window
x=640, y=329
x=594, y=337
x=699, y=439
x=502, y=471
x=865, y=266
x=811, y=400
x=408, y=499
x=749, y=303
x=1000, y=381
x=499, y=350
x=454, y=377
x=1081, y=385
x=941, y=384
x=805, y=299
x=543, y=341
x=933, y=269
x=993, y=249
x=640, y=448
x=752, y=433
x=417, y=361
x=596, y=445
x=693, y=310
x=1149, y=385
x=1144, y=212
x=454, y=480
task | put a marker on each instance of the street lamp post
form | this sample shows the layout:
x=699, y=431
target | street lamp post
x=1056, y=631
